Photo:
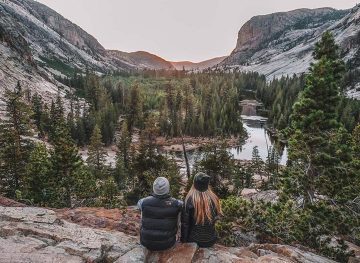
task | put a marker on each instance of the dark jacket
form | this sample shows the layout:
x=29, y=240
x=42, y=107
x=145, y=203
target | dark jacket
x=159, y=221
x=204, y=235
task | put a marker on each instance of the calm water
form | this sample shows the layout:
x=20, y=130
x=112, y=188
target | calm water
x=257, y=136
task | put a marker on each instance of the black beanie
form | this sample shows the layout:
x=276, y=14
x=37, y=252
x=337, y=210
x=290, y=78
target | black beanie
x=201, y=182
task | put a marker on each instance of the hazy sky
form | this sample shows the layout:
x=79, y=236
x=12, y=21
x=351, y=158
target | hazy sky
x=174, y=29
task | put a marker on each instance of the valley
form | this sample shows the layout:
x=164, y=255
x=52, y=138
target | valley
x=85, y=131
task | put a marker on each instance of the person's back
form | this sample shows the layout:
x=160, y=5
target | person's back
x=159, y=217
x=200, y=213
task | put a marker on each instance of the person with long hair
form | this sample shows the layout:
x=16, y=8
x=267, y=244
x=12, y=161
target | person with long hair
x=200, y=212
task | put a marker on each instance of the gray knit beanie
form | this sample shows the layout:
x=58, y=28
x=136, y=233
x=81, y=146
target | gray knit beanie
x=161, y=186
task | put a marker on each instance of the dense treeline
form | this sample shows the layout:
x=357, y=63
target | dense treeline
x=54, y=174
x=280, y=95
x=204, y=104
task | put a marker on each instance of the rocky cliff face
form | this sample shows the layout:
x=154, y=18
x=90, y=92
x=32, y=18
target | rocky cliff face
x=30, y=234
x=55, y=41
x=37, y=43
x=282, y=43
x=260, y=31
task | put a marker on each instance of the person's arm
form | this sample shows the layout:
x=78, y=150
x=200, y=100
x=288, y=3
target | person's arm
x=185, y=223
x=139, y=204
x=180, y=206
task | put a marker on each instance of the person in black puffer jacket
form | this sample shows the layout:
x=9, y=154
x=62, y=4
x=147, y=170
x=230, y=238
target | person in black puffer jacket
x=201, y=210
x=159, y=217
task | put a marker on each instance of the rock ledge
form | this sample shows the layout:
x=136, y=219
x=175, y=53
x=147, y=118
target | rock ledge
x=38, y=235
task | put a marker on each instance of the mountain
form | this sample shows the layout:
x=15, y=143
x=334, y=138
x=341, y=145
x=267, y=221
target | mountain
x=188, y=65
x=37, y=43
x=141, y=59
x=282, y=43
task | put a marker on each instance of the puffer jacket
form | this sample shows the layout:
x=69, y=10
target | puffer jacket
x=204, y=235
x=159, y=221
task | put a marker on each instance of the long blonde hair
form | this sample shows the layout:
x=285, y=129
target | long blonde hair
x=204, y=203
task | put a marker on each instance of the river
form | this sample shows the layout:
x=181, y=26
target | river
x=257, y=136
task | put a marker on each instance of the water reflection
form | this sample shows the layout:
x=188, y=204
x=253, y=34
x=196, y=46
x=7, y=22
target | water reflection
x=257, y=136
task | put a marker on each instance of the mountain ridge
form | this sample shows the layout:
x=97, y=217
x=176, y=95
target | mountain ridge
x=281, y=43
x=37, y=44
x=189, y=65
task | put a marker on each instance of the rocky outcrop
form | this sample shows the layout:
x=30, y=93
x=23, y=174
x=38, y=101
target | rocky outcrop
x=30, y=234
x=65, y=28
x=38, y=235
x=282, y=43
x=268, y=196
x=259, y=31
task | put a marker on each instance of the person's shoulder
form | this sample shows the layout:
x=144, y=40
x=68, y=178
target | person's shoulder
x=177, y=202
x=148, y=198
x=144, y=200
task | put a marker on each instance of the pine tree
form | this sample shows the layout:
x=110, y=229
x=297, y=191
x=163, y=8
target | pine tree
x=314, y=118
x=256, y=162
x=219, y=164
x=97, y=154
x=121, y=173
x=38, y=114
x=272, y=166
x=79, y=127
x=85, y=188
x=123, y=158
x=38, y=181
x=56, y=116
x=45, y=120
x=110, y=194
x=70, y=120
x=14, y=145
x=65, y=161
x=356, y=142
x=135, y=108
x=148, y=163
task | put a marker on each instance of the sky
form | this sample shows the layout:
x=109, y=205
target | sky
x=176, y=30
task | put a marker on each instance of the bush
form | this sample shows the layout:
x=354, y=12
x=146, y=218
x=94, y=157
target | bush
x=284, y=223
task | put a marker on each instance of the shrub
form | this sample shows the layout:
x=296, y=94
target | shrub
x=283, y=222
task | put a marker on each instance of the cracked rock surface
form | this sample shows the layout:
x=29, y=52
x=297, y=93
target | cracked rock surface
x=30, y=234
x=39, y=235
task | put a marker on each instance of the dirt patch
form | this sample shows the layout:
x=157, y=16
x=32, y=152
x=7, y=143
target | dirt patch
x=9, y=202
x=125, y=220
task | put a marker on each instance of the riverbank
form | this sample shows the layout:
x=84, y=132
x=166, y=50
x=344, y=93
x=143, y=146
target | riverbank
x=169, y=145
x=194, y=143
x=275, y=133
